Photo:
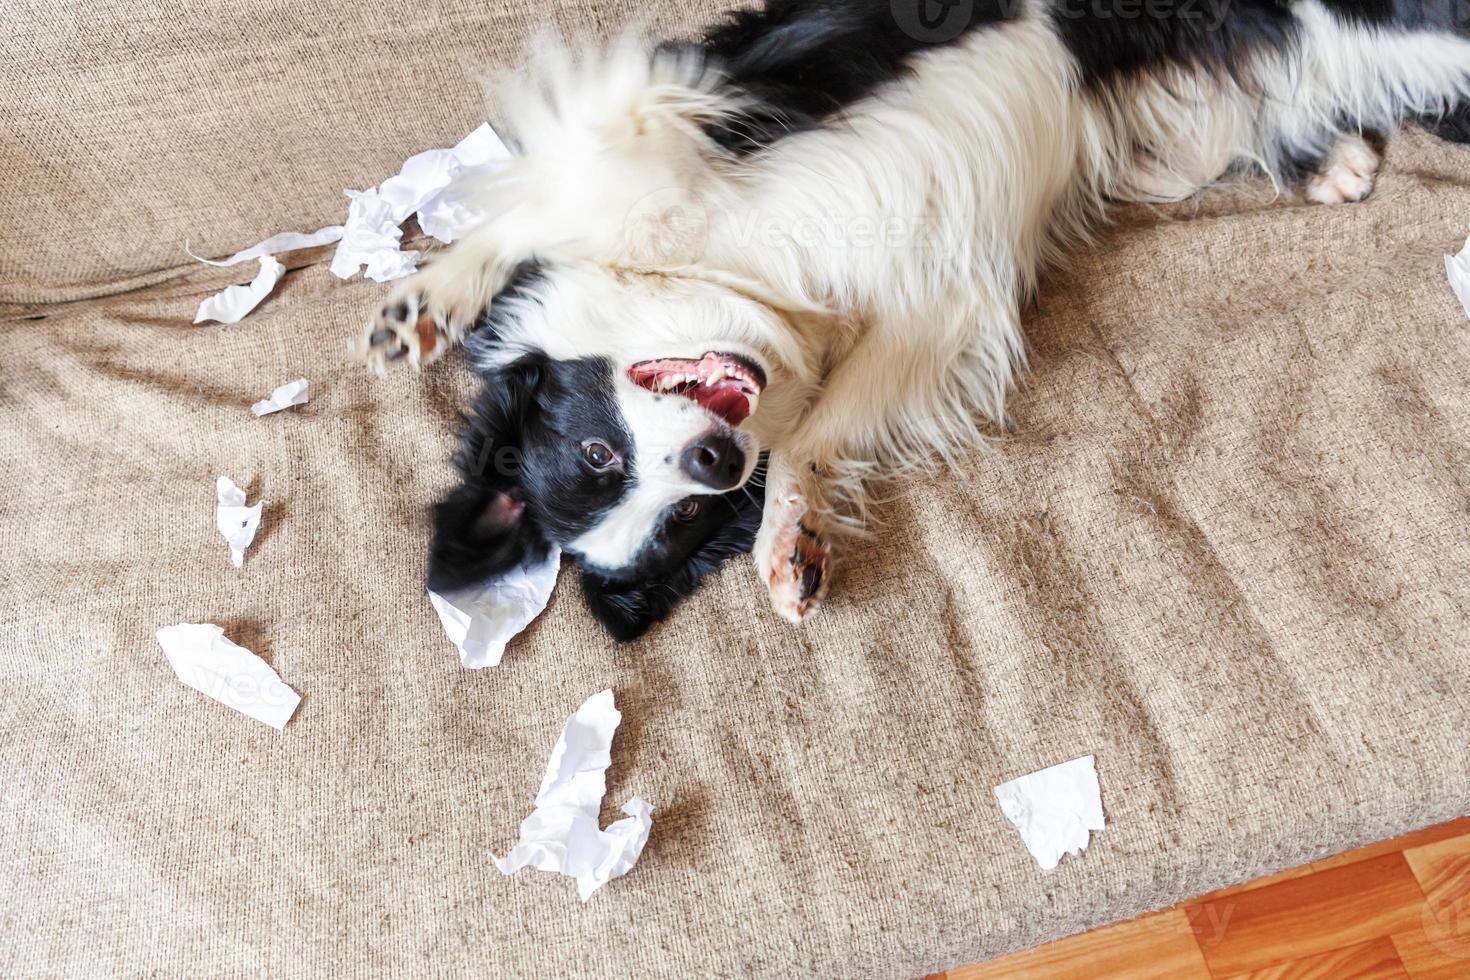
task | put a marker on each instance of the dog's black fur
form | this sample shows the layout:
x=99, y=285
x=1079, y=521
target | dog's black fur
x=1118, y=37
x=1453, y=126
x=524, y=479
x=684, y=553
x=802, y=61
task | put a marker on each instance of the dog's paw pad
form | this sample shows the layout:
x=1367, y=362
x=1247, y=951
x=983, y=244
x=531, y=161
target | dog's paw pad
x=801, y=569
x=1347, y=174
x=404, y=330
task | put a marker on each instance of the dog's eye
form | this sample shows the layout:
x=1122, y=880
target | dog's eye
x=687, y=510
x=598, y=454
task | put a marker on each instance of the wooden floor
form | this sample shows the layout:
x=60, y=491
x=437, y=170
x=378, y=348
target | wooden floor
x=1396, y=909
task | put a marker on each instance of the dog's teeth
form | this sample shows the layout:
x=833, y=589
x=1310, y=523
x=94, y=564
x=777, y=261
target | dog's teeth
x=715, y=377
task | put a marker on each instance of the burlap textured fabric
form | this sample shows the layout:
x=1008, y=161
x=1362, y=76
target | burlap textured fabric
x=132, y=125
x=1226, y=552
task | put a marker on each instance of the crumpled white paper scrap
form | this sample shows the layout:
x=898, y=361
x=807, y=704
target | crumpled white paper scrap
x=232, y=303
x=561, y=835
x=425, y=185
x=1054, y=809
x=424, y=177
x=235, y=521
x=287, y=395
x=482, y=619
x=1457, y=267
x=204, y=659
x=371, y=240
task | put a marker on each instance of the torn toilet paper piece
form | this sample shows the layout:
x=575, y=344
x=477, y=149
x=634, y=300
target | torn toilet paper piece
x=423, y=186
x=371, y=240
x=1458, y=269
x=1054, y=809
x=205, y=660
x=232, y=303
x=286, y=241
x=561, y=835
x=482, y=619
x=235, y=521
x=289, y=394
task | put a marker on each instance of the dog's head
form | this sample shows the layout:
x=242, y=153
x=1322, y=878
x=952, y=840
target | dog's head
x=632, y=450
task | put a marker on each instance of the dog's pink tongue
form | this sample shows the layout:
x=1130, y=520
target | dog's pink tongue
x=725, y=399
x=729, y=398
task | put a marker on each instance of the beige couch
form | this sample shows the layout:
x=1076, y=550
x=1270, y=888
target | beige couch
x=1226, y=550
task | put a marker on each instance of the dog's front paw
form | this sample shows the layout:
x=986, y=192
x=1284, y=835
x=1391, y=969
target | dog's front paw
x=794, y=561
x=416, y=325
x=400, y=333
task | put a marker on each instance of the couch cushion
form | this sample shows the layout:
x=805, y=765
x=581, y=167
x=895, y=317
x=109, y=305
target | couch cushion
x=1226, y=552
x=133, y=125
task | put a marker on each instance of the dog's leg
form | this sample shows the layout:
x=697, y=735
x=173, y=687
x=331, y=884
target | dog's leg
x=430, y=311
x=903, y=393
x=793, y=559
x=1346, y=173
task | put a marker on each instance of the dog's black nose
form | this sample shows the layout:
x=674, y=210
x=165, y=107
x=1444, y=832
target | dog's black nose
x=716, y=460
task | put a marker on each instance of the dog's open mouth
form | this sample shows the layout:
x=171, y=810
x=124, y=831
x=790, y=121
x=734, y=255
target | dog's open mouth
x=726, y=384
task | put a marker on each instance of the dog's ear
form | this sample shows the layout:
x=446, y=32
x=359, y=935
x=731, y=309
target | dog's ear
x=627, y=608
x=483, y=528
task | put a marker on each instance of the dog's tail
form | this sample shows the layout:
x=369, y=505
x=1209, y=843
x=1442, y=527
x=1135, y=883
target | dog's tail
x=606, y=140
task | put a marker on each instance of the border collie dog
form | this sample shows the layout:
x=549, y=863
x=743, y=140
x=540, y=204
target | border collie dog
x=803, y=244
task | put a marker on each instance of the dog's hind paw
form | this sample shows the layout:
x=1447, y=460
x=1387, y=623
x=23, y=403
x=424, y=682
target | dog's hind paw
x=1347, y=174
